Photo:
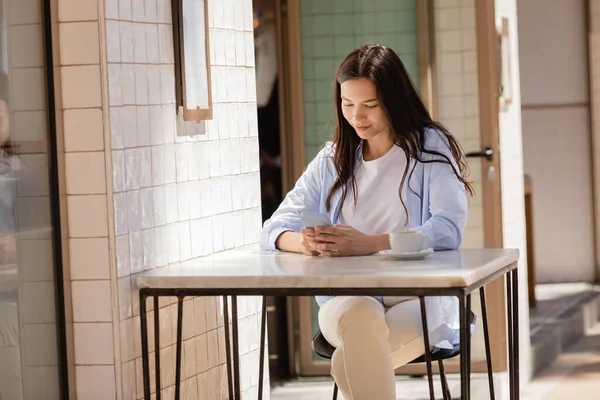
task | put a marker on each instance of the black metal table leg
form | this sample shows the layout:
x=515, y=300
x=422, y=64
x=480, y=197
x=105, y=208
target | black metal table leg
x=261, y=359
x=157, y=348
x=145, y=353
x=427, y=348
x=236, y=349
x=464, y=337
x=486, y=338
x=509, y=316
x=468, y=345
x=178, y=348
x=515, y=301
x=227, y=346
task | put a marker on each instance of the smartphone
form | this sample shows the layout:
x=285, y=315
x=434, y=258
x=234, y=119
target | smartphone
x=312, y=219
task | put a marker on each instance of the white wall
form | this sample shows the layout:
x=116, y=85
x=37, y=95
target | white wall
x=556, y=136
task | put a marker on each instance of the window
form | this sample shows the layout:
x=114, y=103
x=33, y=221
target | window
x=192, y=59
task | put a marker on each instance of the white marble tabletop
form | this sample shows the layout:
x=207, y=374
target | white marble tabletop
x=250, y=268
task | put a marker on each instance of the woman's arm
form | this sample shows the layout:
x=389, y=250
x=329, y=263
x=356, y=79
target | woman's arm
x=282, y=230
x=447, y=202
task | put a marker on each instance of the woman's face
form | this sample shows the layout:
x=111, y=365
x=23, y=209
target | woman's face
x=362, y=109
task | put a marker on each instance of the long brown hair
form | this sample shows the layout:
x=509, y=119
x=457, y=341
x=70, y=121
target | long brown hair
x=405, y=110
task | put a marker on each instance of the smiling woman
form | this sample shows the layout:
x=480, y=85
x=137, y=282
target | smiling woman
x=389, y=168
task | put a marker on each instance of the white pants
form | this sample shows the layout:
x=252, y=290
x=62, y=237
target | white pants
x=370, y=341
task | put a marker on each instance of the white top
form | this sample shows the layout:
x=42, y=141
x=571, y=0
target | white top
x=378, y=207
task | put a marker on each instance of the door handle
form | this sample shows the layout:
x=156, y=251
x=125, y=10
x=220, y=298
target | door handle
x=488, y=154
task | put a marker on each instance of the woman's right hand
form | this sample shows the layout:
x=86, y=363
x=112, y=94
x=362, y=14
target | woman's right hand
x=306, y=238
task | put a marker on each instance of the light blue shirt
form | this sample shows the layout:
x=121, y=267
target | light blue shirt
x=436, y=203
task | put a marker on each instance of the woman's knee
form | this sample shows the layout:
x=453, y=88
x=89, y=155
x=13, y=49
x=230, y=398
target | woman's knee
x=363, y=311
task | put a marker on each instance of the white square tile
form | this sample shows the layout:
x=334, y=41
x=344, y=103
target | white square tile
x=223, y=121
x=214, y=159
x=192, y=160
x=213, y=125
x=173, y=243
x=156, y=135
x=236, y=201
x=128, y=379
x=241, y=84
x=229, y=48
x=238, y=222
x=111, y=9
x=183, y=205
x=230, y=83
x=203, y=161
x=250, y=85
x=189, y=366
x=127, y=41
x=85, y=173
x=194, y=199
x=115, y=85
x=91, y=301
x=143, y=125
x=217, y=224
x=32, y=126
x=169, y=163
x=185, y=244
x=238, y=14
x=134, y=216
x=152, y=43
x=125, y=296
x=132, y=164
x=206, y=239
x=158, y=176
x=73, y=80
x=196, y=237
x=248, y=16
x=82, y=223
x=149, y=247
x=77, y=10
x=160, y=205
x=145, y=166
x=218, y=14
x=235, y=153
x=232, y=120
x=151, y=12
x=139, y=42
x=171, y=202
x=220, y=58
x=163, y=8
x=250, y=62
x=162, y=254
x=154, y=89
x=79, y=44
x=138, y=11
x=216, y=195
x=228, y=231
x=141, y=84
x=252, y=121
x=224, y=156
x=121, y=213
x=147, y=200
x=125, y=10
x=95, y=382
x=181, y=162
x=212, y=45
x=228, y=11
x=136, y=252
x=168, y=120
x=206, y=207
x=224, y=84
x=42, y=382
x=36, y=262
x=91, y=343
x=167, y=82
x=39, y=343
x=242, y=113
x=128, y=84
x=165, y=44
x=122, y=253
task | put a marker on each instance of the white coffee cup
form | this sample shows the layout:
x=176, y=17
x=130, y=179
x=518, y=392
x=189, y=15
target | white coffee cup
x=407, y=241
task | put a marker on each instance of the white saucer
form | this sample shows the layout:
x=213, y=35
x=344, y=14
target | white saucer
x=417, y=255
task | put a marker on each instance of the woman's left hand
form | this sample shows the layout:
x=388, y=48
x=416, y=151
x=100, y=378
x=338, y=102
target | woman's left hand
x=343, y=240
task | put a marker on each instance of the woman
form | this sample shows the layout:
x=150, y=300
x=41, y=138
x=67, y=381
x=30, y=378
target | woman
x=389, y=168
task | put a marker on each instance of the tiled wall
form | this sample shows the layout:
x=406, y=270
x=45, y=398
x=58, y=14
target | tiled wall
x=330, y=30
x=458, y=94
x=511, y=165
x=33, y=315
x=163, y=198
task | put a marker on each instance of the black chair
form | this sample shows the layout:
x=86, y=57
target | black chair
x=321, y=347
